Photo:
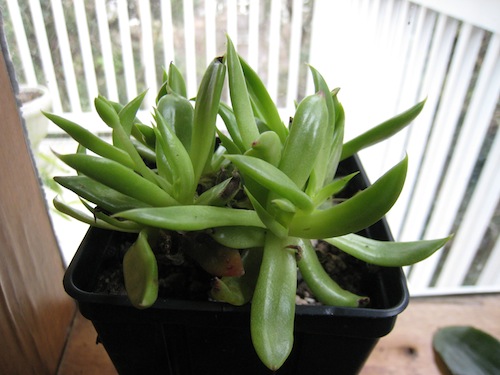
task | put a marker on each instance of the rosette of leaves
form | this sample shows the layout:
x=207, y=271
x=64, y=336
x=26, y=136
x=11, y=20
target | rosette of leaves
x=262, y=195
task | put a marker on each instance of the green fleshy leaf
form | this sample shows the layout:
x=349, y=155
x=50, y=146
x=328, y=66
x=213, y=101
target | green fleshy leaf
x=467, y=350
x=140, y=273
x=357, y=212
x=387, y=253
x=381, y=132
x=191, y=218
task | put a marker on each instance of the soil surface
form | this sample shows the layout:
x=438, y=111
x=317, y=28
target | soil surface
x=181, y=278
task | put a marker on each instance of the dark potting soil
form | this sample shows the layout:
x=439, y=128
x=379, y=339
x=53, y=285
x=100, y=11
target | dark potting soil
x=181, y=278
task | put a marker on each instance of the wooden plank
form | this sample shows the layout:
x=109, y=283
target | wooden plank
x=408, y=348
x=35, y=312
x=83, y=354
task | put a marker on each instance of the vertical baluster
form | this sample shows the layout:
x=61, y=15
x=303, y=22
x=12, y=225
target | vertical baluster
x=189, y=43
x=86, y=49
x=127, y=52
x=253, y=34
x=148, y=54
x=432, y=86
x=45, y=54
x=274, y=49
x=294, y=53
x=167, y=32
x=66, y=56
x=210, y=28
x=232, y=20
x=22, y=43
x=413, y=68
x=487, y=191
x=476, y=219
x=107, y=50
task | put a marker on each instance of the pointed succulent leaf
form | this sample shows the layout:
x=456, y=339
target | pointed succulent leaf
x=387, y=253
x=272, y=178
x=332, y=188
x=270, y=222
x=227, y=115
x=119, y=178
x=220, y=194
x=357, y=212
x=90, y=141
x=262, y=101
x=121, y=225
x=190, y=218
x=382, y=131
x=228, y=143
x=273, y=303
x=140, y=273
x=128, y=113
x=338, y=139
x=146, y=135
x=267, y=147
x=107, y=112
x=100, y=194
x=184, y=184
x=305, y=141
x=239, y=237
x=84, y=217
x=324, y=288
x=162, y=165
x=205, y=115
x=178, y=114
x=240, y=99
x=176, y=80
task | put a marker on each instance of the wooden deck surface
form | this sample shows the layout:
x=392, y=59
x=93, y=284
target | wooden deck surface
x=407, y=350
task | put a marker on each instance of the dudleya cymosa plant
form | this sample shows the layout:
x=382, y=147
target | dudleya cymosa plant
x=263, y=195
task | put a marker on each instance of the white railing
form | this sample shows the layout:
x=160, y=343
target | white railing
x=384, y=54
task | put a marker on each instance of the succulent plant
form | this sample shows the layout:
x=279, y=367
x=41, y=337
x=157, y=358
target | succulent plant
x=261, y=190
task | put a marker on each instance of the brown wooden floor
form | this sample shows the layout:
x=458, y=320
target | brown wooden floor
x=406, y=351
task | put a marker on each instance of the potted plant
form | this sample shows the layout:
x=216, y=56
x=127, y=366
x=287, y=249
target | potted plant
x=186, y=209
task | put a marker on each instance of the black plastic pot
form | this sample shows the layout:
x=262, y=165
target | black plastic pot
x=185, y=337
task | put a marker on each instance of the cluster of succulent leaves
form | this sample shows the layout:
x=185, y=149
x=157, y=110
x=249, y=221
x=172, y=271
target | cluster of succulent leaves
x=263, y=194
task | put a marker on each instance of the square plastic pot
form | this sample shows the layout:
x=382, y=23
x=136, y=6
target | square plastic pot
x=186, y=337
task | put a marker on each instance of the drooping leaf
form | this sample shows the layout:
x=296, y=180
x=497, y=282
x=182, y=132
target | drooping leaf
x=140, y=273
